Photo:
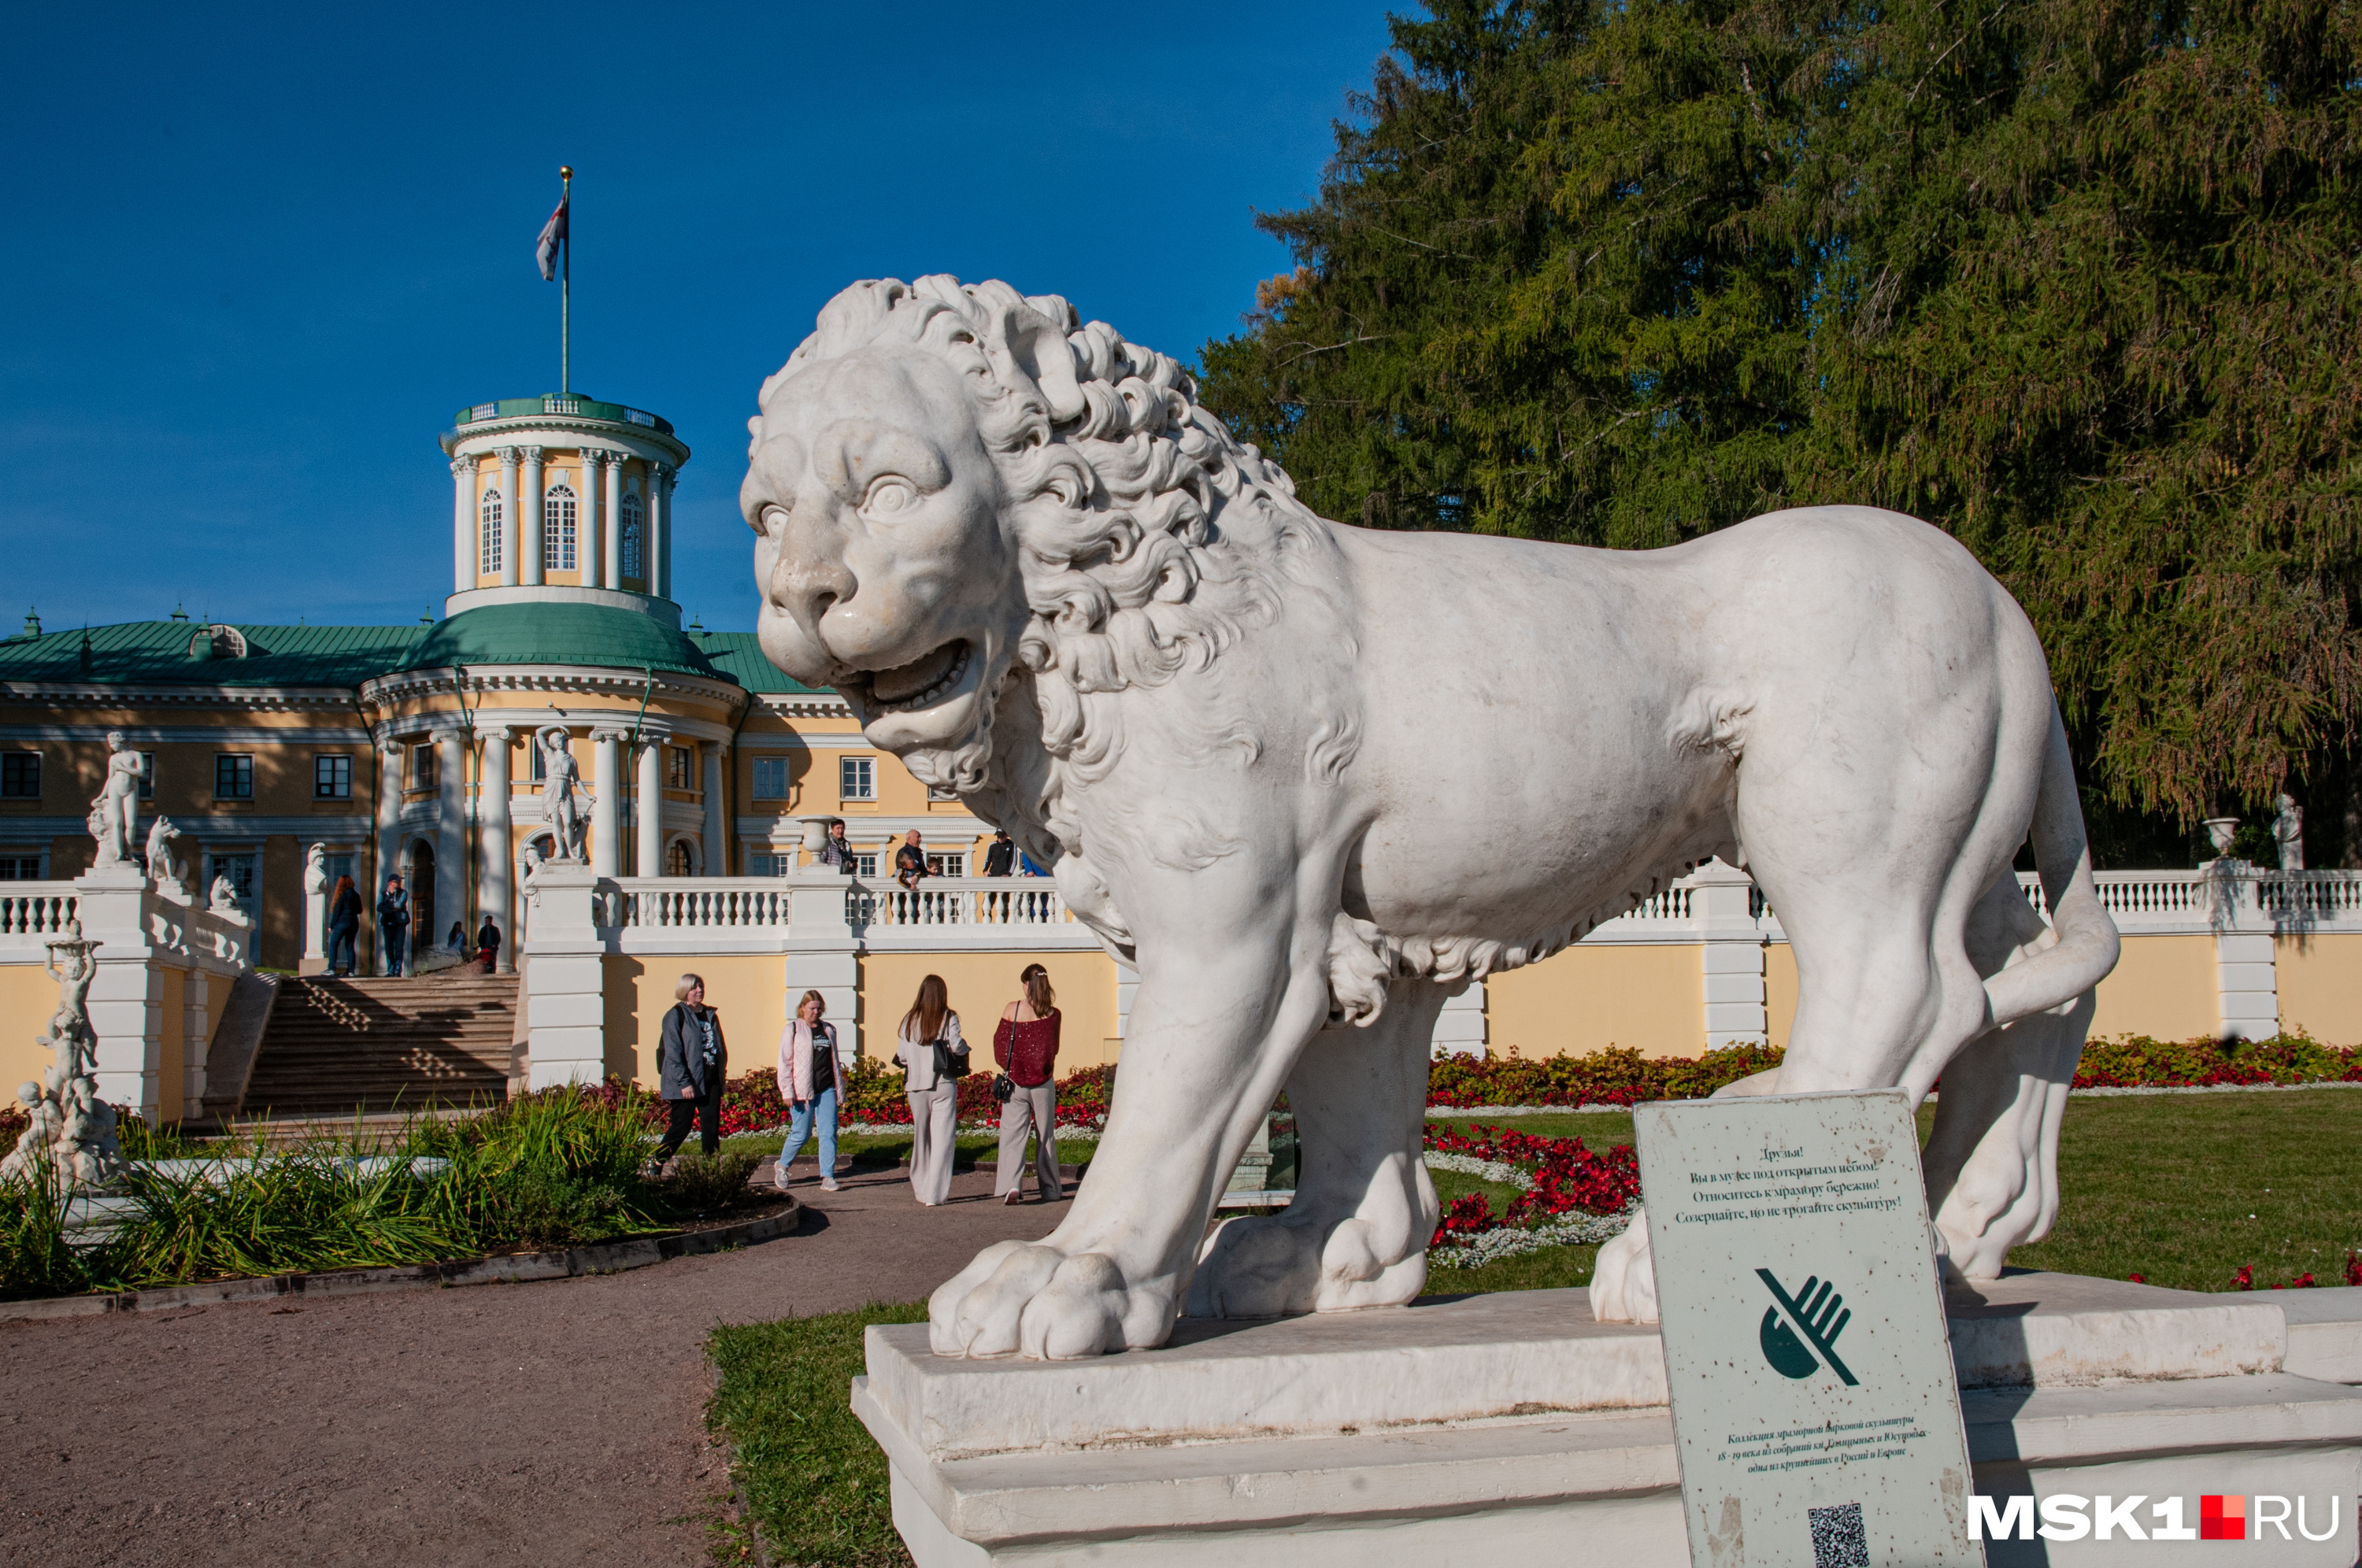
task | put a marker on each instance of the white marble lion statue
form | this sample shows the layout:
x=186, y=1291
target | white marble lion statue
x=1311, y=779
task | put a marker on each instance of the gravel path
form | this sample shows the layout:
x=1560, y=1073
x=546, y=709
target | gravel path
x=553, y=1422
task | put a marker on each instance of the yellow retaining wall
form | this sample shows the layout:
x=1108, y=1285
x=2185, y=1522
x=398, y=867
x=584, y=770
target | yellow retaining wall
x=1587, y=998
x=2163, y=985
x=27, y=996
x=2321, y=987
x=747, y=989
x=980, y=985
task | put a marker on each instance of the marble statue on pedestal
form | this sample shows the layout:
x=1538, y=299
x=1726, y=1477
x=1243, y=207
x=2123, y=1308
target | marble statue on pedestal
x=2288, y=833
x=1272, y=760
x=223, y=897
x=72, y=1135
x=167, y=873
x=568, y=824
x=115, y=810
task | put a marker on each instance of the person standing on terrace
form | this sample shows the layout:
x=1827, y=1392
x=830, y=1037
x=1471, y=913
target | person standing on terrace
x=1026, y=1046
x=910, y=861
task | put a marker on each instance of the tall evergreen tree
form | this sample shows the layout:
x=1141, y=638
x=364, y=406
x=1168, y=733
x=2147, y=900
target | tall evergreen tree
x=2074, y=281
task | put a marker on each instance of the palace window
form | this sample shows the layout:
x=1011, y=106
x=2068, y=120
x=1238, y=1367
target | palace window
x=865, y=866
x=540, y=769
x=952, y=865
x=425, y=772
x=676, y=861
x=332, y=778
x=769, y=865
x=771, y=778
x=558, y=527
x=488, y=556
x=19, y=868
x=632, y=541
x=234, y=776
x=856, y=779
x=676, y=768
x=20, y=776
x=147, y=775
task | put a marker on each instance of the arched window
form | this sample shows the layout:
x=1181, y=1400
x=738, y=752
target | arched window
x=558, y=527
x=676, y=861
x=488, y=553
x=635, y=562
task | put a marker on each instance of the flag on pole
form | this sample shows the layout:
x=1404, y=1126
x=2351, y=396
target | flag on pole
x=552, y=233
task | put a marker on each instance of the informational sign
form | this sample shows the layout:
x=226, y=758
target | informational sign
x=1816, y=1410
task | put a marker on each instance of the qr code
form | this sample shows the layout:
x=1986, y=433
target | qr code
x=1837, y=1537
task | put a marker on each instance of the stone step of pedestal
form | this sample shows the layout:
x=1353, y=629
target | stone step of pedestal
x=1473, y=1429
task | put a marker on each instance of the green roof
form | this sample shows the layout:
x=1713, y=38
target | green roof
x=738, y=656
x=597, y=635
x=157, y=653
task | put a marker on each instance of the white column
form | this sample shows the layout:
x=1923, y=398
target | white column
x=649, y=809
x=529, y=532
x=717, y=838
x=822, y=954
x=126, y=1003
x=659, y=543
x=607, y=787
x=2246, y=968
x=610, y=555
x=510, y=533
x=450, y=834
x=1722, y=902
x=565, y=1003
x=493, y=814
x=390, y=756
x=463, y=524
x=590, y=554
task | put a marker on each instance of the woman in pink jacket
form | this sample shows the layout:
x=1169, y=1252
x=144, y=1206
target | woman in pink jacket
x=808, y=1083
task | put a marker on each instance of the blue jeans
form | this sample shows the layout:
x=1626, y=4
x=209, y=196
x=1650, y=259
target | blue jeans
x=800, y=1127
x=397, y=944
x=340, y=940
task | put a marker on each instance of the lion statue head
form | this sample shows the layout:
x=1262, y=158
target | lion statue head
x=959, y=493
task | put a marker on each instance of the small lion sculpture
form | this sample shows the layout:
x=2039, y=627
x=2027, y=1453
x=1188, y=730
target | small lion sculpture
x=1312, y=779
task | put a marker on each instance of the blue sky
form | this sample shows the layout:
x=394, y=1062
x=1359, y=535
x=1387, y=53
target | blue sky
x=261, y=254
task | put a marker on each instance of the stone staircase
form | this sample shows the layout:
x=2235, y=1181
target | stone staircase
x=335, y=1050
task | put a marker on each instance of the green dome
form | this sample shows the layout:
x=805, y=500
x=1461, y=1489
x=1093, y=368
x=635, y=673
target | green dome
x=558, y=633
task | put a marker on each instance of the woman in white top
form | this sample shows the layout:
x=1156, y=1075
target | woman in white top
x=934, y=1096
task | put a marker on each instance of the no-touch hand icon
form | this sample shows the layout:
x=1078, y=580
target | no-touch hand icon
x=1816, y=1317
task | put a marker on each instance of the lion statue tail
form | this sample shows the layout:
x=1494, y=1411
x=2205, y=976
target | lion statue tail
x=2087, y=945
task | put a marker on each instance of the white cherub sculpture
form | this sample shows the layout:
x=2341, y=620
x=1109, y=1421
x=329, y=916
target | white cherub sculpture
x=1271, y=760
x=223, y=897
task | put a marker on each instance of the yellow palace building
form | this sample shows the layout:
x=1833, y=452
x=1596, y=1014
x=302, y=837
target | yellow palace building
x=284, y=756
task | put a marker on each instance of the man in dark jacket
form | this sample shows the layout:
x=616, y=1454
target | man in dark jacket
x=393, y=924
x=999, y=859
x=691, y=1063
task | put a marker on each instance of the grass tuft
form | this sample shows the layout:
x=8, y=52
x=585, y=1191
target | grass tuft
x=813, y=1480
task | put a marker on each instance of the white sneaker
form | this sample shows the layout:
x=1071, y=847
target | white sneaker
x=828, y=1184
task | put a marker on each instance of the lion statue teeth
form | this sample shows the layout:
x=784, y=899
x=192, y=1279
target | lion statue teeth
x=1310, y=780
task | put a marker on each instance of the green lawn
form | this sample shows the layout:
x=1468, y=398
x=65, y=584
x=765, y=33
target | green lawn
x=2181, y=1188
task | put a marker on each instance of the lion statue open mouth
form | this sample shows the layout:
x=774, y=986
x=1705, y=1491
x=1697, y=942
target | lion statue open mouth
x=1311, y=778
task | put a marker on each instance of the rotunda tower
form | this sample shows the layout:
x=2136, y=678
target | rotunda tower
x=558, y=499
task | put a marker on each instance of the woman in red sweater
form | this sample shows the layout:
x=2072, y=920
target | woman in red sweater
x=1026, y=1046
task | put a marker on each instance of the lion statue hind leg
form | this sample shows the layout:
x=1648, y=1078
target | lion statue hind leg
x=1357, y=1233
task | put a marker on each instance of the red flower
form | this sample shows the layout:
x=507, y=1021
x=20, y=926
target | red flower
x=2246, y=1277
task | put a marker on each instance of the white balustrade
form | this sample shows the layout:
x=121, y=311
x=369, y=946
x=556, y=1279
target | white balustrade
x=958, y=901
x=30, y=910
x=722, y=903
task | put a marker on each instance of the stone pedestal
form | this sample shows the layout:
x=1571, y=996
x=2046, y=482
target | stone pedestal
x=1482, y=1429
x=565, y=984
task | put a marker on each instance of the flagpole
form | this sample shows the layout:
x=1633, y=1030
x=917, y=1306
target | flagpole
x=566, y=287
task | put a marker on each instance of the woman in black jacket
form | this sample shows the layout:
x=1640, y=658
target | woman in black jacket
x=344, y=926
x=691, y=1062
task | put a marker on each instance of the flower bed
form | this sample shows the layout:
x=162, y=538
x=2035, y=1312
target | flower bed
x=2137, y=1061
x=871, y=1091
x=1567, y=1195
